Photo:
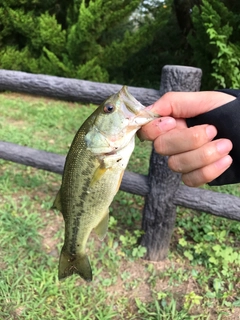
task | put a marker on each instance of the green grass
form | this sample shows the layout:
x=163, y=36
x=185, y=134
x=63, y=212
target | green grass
x=199, y=280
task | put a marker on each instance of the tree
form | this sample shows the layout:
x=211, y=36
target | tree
x=215, y=44
x=28, y=31
x=91, y=37
x=124, y=41
x=168, y=46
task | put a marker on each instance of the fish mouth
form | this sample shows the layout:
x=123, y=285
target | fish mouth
x=127, y=133
x=132, y=104
x=133, y=115
x=142, y=114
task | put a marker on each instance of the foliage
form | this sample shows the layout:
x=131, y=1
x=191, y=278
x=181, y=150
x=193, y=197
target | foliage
x=220, y=254
x=126, y=42
x=92, y=37
x=129, y=244
x=168, y=46
x=215, y=47
x=121, y=41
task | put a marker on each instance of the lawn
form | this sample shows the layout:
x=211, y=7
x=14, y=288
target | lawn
x=200, y=279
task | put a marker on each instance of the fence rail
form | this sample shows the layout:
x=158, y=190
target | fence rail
x=215, y=203
x=68, y=89
x=161, y=188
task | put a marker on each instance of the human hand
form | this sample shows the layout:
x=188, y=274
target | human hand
x=191, y=151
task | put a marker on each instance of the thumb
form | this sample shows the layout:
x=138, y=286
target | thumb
x=189, y=104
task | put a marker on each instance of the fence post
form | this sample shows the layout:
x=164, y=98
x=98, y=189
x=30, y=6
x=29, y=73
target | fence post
x=159, y=212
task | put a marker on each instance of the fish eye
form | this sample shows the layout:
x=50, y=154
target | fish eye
x=108, y=108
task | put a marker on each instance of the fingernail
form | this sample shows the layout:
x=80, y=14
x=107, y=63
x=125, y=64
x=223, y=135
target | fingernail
x=224, y=146
x=166, y=124
x=211, y=132
x=224, y=162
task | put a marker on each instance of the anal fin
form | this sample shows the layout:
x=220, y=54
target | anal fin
x=102, y=228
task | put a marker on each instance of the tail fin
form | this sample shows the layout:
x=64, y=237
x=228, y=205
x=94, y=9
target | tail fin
x=70, y=264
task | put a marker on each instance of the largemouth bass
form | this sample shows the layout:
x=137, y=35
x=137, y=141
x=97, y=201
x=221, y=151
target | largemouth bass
x=92, y=175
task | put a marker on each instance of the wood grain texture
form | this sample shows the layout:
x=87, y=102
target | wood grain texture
x=159, y=211
x=69, y=89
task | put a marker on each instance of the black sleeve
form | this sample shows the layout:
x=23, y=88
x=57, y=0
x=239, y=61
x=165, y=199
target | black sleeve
x=226, y=119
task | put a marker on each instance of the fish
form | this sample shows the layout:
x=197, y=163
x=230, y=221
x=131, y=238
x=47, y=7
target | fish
x=92, y=175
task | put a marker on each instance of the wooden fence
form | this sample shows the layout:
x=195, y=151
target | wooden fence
x=161, y=188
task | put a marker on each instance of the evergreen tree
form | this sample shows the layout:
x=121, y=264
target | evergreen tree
x=28, y=31
x=168, y=45
x=92, y=37
x=124, y=41
x=216, y=48
x=93, y=47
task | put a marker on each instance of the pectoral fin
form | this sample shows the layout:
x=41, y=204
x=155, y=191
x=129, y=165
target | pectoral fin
x=102, y=227
x=57, y=202
x=105, y=164
x=98, y=175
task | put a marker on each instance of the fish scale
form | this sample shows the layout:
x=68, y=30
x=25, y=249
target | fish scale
x=92, y=175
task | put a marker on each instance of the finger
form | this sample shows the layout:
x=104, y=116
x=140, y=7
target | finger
x=183, y=140
x=155, y=128
x=159, y=126
x=189, y=104
x=201, y=157
x=206, y=174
